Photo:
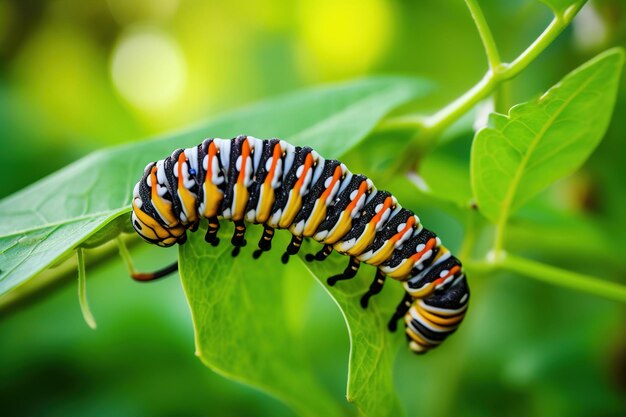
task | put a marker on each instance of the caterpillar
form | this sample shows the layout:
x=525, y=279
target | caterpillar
x=282, y=186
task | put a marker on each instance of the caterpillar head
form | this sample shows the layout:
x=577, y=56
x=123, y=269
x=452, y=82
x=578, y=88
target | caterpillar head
x=152, y=231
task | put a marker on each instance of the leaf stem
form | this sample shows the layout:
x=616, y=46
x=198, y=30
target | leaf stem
x=498, y=240
x=556, y=26
x=552, y=275
x=470, y=235
x=51, y=280
x=439, y=121
x=123, y=249
x=499, y=73
x=400, y=122
x=493, y=57
x=82, y=289
x=573, y=280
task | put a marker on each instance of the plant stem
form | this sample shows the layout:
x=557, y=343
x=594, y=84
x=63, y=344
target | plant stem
x=498, y=73
x=121, y=245
x=485, y=34
x=549, y=274
x=498, y=240
x=437, y=122
x=51, y=280
x=430, y=127
x=552, y=275
x=82, y=289
x=470, y=235
x=433, y=125
x=474, y=267
x=548, y=36
x=400, y=122
x=502, y=100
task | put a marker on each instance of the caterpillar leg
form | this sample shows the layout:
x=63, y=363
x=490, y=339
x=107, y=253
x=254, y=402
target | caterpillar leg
x=401, y=310
x=265, y=244
x=348, y=273
x=292, y=249
x=375, y=287
x=238, y=240
x=321, y=255
x=151, y=276
x=211, y=233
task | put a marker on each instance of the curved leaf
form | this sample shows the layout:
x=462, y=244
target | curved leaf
x=372, y=347
x=538, y=142
x=239, y=308
x=43, y=223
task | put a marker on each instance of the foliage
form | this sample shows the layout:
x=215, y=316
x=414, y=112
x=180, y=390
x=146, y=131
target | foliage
x=240, y=335
x=539, y=142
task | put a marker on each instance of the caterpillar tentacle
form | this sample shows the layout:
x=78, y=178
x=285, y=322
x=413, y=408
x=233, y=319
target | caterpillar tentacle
x=145, y=277
x=282, y=186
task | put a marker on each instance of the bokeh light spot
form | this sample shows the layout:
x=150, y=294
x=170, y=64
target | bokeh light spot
x=346, y=37
x=148, y=68
x=589, y=30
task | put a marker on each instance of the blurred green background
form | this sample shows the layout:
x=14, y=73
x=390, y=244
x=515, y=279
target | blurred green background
x=76, y=76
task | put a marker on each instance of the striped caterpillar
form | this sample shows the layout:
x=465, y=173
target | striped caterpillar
x=283, y=186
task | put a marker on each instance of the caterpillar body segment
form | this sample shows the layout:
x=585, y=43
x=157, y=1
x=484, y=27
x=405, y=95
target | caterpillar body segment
x=281, y=186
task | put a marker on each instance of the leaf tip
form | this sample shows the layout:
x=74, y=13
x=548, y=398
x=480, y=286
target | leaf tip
x=619, y=54
x=615, y=54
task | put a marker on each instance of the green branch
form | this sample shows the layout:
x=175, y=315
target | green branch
x=564, y=278
x=549, y=274
x=548, y=36
x=499, y=72
x=485, y=34
x=123, y=250
x=430, y=127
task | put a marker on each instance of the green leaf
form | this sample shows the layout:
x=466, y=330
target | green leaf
x=538, y=142
x=42, y=224
x=240, y=310
x=372, y=347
